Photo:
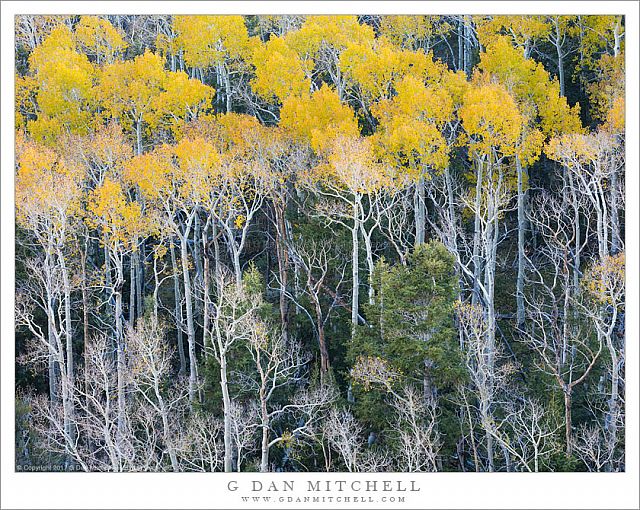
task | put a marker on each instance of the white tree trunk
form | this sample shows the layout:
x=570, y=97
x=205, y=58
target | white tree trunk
x=420, y=211
x=521, y=257
x=191, y=334
x=355, y=274
x=178, y=311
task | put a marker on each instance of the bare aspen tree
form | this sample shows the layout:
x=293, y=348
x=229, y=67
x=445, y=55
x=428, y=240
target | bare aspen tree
x=231, y=322
x=150, y=362
x=315, y=260
x=486, y=376
x=278, y=364
x=527, y=431
x=416, y=428
x=244, y=424
x=563, y=345
x=199, y=445
x=605, y=288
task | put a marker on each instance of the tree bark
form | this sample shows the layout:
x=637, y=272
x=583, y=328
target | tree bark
x=283, y=266
x=264, y=449
x=178, y=311
x=324, y=352
x=567, y=419
x=132, y=290
x=355, y=273
x=226, y=402
x=188, y=295
x=120, y=343
x=521, y=255
x=85, y=311
x=477, y=262
x=420, y=212
x=615, y=221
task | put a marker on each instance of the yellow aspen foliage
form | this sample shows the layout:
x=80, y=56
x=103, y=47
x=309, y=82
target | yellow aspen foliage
x=151, y=172
x=47, y=189
x=410, y=130
x=98, y=38
x=166, y=44
x=615, y=122
x=117, y=216
x=522, y=30
x=198, y=167
x=227, y=132
x=577, y=150
x=127, y=88
x=491, y=119
x=26, y=89
x=599, y=34
x=352, y=165
x=207, y=41
x=253, y=158
x=375, y=67
x=328, y=34
x=57, y=47
x=545, y=112
x=605, y=280
x=609, y=88
x=318, y=119
x=279, y=71
x=184, y=172
x=65, y=93
x=101, y=153
x=182, y=100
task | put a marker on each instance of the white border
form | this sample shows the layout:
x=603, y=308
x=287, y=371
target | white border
x=441, y=490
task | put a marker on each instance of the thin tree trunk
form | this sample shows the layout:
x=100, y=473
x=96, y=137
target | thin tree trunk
x=283, y=267
x=178, y=311
x=197, y=253
x=206, y=299
x=369, y=257
x=560, y=69
x=188, y=295
x=121, y=362
x=264, y=450
x=521, y=256
x=611, y=418
x=355, y=274
x=156, y=289
x=54, y=385
x=324, y=352
x=67, y=318
x=477, y=262
x=567, y=419
x=168, y=443
x=577, y=232
x=467, y=44
x=237, y=267
x=139, y=136
x=140, y=256
x=461, y=43
x=132, y=290
x=420, y=212
x=226, y=401
x=216, y=256
x=615, y=222
x=85, y=313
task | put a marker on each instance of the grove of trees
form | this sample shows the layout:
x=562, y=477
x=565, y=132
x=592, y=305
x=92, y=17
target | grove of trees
x=320, y=243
